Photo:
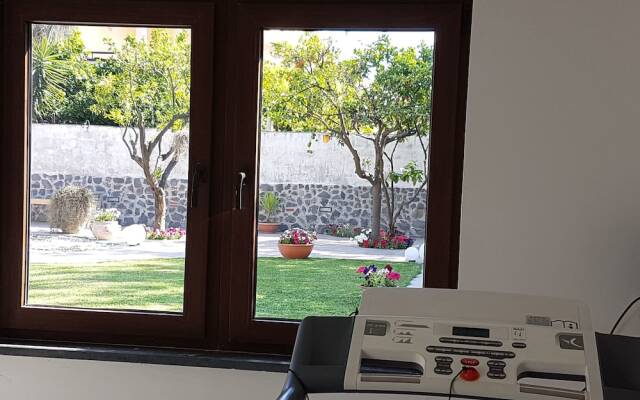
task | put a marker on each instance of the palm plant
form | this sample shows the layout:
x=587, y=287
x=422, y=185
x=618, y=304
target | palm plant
x=48, y=75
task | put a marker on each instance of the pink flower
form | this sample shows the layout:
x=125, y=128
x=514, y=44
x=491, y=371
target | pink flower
x=360, y=269
x=394, y=276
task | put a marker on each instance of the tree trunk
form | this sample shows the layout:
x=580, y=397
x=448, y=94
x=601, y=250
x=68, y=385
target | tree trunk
x=160, y=205
x=376, y=208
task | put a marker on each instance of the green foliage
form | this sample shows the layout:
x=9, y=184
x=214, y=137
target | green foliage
x=381, y=88
x=149, y=82
x=410, y=173
x=107, y=215
x=270, y=204
x=63, y=79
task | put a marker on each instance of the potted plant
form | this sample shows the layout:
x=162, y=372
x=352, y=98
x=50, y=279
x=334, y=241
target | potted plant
x=269, y=204
x=373, y=276
x=105, y=224
x=296, y=243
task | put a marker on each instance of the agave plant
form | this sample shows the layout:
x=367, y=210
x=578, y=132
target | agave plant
x=270, y=204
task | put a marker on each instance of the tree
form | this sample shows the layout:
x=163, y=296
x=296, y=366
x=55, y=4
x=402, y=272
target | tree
x=382, y=95
x=148, y=88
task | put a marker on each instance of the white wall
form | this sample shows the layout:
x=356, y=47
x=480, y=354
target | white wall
x=285, y=158
x=551, y=192
x=551, y=187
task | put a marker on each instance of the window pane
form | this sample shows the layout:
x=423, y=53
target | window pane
x=344, y=144
x=109, y=141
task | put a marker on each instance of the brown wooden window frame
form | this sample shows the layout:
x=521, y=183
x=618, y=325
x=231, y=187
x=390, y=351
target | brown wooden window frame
x=449, y=23
x=221, y=273
x=136, y=327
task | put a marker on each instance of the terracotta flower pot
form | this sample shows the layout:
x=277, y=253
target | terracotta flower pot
x=268, y=227
x=295, y=251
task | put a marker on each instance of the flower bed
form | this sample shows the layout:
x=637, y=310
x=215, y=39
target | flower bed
x=373, y=276
x=340, y=230
x=386, y=240
x=168, y=234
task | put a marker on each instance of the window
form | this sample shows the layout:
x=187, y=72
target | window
x=134, y=122
x=344, y=148
x=112, y=122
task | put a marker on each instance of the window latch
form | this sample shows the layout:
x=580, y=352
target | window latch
x=241, y=184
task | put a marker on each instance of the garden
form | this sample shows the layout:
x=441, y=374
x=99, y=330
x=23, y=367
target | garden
x=108, y=229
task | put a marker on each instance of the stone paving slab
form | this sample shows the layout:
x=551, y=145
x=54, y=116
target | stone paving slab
x=51, y=247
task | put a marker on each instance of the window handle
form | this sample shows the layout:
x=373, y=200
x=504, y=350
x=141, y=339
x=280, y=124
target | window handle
x=196, y=178
x=241, y=184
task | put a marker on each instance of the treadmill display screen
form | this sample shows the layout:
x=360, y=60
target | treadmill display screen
x=473, y=332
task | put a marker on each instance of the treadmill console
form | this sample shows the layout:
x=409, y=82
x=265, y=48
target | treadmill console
x=477, y=344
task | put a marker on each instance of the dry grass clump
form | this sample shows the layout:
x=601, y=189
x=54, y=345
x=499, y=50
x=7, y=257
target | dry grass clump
x=70, y=209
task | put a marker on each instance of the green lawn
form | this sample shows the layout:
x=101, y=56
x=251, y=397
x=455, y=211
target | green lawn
x=317, y=286
x=286, y=288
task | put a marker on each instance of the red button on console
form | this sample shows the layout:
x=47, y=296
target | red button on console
x=469, y=374
x=470, y=362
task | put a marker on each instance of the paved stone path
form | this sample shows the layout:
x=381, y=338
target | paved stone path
x=52, y=247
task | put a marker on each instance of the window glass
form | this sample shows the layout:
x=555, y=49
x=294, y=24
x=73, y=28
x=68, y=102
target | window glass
x=109, y=141
x=343, y=174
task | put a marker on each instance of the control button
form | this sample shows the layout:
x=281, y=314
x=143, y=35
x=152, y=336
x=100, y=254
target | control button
x=519, y=345
x=409, y=324
x=502, y=354
x=473, y=342
x=496, y=364
x=570, y=325
x=571, y=341
x=375, y=328
x=497, y=374
x=518, y=333
x=443, y=370
x=470, y=374
x=471, y=352
x=470, y=362
x=444, y=360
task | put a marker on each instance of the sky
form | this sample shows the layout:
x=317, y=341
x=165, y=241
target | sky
x=347, y=41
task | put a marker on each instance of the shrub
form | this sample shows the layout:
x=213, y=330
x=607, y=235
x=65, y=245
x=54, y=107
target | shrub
x=341, y=230
x=108, y=215
x=70, y=209
x=270, y=204
x=297, y=236
x=386, y=240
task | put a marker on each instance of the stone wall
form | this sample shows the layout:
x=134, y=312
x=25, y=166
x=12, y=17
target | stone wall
x=330, y=192
x=131, y=196
x=315, y=206
x=302, y=205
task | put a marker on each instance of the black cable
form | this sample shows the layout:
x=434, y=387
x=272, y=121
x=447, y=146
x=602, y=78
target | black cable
x=626, y=310
x=354, y=313
x=452, y=381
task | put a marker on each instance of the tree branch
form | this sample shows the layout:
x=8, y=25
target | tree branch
x=158, y=138
x=167, y=171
